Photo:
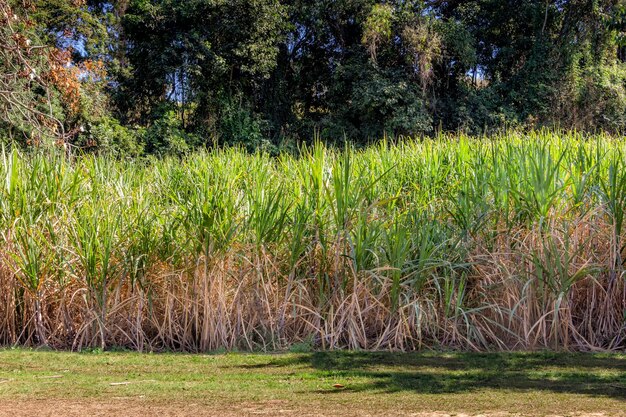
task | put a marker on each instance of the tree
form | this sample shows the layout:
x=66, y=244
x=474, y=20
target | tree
x=30, y=103
x=537, y=60
x=269, y=73
x=47, y=90
x=193, y=56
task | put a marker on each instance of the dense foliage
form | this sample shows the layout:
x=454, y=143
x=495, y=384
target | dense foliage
x=508, y=242
x=165, y=76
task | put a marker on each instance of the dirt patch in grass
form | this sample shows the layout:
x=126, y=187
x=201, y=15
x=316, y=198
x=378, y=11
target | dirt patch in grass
x=140, y=408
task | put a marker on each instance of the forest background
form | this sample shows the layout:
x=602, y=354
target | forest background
x=137, y=77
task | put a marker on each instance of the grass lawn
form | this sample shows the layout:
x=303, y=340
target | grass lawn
x=302, y=384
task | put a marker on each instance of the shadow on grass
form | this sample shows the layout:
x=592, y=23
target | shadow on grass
x=595, y=375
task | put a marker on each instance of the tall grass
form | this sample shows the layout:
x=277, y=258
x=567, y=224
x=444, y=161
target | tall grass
x=513, y=241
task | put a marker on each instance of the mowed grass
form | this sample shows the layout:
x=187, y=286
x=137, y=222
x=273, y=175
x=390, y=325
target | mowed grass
x=381, y=383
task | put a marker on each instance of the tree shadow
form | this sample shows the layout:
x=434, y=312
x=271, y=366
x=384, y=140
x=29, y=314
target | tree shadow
x=578, y=373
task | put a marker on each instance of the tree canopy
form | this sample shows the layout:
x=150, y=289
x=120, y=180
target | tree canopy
x=164, y=76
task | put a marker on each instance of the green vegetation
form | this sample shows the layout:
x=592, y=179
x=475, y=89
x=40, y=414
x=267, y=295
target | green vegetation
x=514, y=241
x=309, y=176
x=164, y=76
x=377, y=383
